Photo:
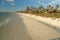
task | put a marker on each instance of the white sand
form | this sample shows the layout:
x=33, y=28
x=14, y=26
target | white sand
x=51, y=21
x=39, y=30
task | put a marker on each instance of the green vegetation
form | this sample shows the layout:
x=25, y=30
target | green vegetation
x=50, y=11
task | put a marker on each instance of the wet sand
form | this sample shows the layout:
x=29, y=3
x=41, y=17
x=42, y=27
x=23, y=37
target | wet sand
x=15, y=29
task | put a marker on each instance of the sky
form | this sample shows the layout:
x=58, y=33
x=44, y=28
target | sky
x=16, y=5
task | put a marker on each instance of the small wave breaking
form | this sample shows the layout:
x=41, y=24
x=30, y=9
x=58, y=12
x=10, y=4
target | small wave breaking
x=4, y=22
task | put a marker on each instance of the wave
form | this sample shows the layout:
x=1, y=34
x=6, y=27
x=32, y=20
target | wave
x=4, y=22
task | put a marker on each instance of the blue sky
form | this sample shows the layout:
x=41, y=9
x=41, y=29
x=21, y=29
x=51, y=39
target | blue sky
x=14, y=5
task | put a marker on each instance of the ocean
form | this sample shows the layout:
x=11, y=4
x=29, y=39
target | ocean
x=4, y=17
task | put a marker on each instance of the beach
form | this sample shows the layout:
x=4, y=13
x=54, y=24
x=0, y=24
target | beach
x=52, y=21
x=22, y=27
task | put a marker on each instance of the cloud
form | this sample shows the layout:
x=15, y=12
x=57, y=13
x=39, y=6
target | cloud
x=39, y=2
x=2, y=2
x=10, y=0
x=42, y=3
x=53, y=2
x=13, y=4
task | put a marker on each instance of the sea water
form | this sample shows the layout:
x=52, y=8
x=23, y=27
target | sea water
x=4, y=18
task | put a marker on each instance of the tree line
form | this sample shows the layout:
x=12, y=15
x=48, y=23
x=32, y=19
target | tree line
x=49, y=11
x=41, y=9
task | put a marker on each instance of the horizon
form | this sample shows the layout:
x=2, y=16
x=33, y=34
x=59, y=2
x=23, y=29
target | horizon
x=17, y=5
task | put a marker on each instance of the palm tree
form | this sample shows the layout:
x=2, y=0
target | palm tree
x=57, y=6
x=27, y=9
x=33, y=10
x=50, y=9
x=41, y=9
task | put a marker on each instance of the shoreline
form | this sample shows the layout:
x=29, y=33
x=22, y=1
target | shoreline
x=51, y=21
